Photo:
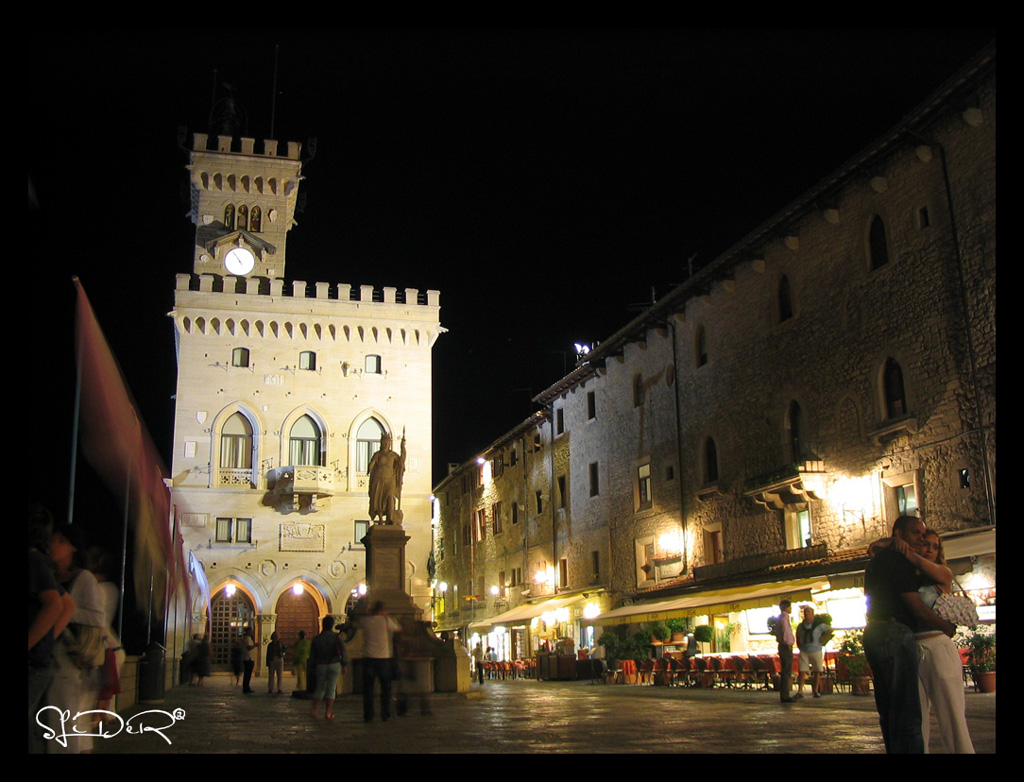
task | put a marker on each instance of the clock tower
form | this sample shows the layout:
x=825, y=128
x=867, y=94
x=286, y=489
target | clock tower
x=243, y=205
x=286, y=390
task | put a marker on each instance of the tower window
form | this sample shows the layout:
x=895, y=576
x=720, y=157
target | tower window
x=255, y=220
x=710, y=461
x=372, y=365
x=307, y=360
x=240, y=357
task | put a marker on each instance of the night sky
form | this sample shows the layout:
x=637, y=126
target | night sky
x=544, y=181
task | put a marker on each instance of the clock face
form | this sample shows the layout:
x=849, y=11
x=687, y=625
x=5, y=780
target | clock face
x=239, y=261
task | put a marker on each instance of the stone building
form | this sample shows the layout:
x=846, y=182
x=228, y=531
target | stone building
x=745, y=437
x=285, y=390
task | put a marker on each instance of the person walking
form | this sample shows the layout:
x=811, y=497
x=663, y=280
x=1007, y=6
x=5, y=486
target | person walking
x=378, y=659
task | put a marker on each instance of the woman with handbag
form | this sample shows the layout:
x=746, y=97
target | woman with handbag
x=81, y=650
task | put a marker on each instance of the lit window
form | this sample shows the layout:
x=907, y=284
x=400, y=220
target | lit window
x=305, y=443
x=236, y=443
x=368, y=439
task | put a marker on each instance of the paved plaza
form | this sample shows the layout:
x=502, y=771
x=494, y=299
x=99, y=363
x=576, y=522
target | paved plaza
x=524, y=716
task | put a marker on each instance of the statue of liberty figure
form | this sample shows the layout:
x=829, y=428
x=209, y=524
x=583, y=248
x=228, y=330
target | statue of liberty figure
x=386, y=470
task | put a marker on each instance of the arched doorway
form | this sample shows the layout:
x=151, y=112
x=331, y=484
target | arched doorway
x=296, y=612
x=231, y=614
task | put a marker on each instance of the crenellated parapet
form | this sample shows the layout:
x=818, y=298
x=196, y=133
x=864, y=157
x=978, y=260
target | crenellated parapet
x=299, y=289
x=245, y=146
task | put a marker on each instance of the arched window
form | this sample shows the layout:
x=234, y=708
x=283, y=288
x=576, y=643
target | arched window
x=878, y=247
x=795, y=426
x=710, y=461
x=892, y=388
x=236, y=443
x=304, y=444
x=702, y=347
x=255, y=220
x=785, y=300
x=240, y=357
x=368, y=440
x=243, y=217
x=229, y=216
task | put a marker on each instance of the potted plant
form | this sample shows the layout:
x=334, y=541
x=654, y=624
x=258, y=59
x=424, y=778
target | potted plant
x=981, y=658
x=852, y=656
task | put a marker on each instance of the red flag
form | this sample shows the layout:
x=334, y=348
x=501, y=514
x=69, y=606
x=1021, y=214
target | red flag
x=116, y=443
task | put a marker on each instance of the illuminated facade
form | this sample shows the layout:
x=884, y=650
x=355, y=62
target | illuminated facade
x=285, y=390
x=750, y=433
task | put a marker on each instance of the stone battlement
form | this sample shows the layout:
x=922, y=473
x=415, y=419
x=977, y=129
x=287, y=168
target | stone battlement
x=247, y=146
x=298, y=289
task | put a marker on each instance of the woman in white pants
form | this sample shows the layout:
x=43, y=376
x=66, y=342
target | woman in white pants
x=940, y=672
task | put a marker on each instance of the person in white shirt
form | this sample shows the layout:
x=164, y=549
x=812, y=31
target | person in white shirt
x=378, y=659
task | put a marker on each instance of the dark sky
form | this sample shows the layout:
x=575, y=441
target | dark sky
x=543, y=181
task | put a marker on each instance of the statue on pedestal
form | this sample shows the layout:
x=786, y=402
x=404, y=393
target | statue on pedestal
x=386, y=471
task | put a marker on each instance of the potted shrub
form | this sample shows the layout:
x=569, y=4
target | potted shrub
x=981, y=658
x=851, y=655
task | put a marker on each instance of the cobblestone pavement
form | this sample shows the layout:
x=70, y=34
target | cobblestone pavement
x=526, y=716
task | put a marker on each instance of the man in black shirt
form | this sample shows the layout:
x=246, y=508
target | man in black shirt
x=895, y=609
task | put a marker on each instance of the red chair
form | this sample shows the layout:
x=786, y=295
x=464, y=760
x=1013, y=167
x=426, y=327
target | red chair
x=705, y=672
x=725, y=670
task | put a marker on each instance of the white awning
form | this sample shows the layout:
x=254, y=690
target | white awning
x=970, y=543
x=717, y=601
x=523, y=613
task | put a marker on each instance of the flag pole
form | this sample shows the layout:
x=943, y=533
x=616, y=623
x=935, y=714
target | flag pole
x=76, y=408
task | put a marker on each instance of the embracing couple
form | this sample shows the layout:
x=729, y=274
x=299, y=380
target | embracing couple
x=913, y=661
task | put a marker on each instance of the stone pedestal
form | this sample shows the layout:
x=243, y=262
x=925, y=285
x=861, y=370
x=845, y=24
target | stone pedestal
x=431, y=664
x=385, y=571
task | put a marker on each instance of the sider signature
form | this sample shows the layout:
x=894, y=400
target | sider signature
x=153, y=721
